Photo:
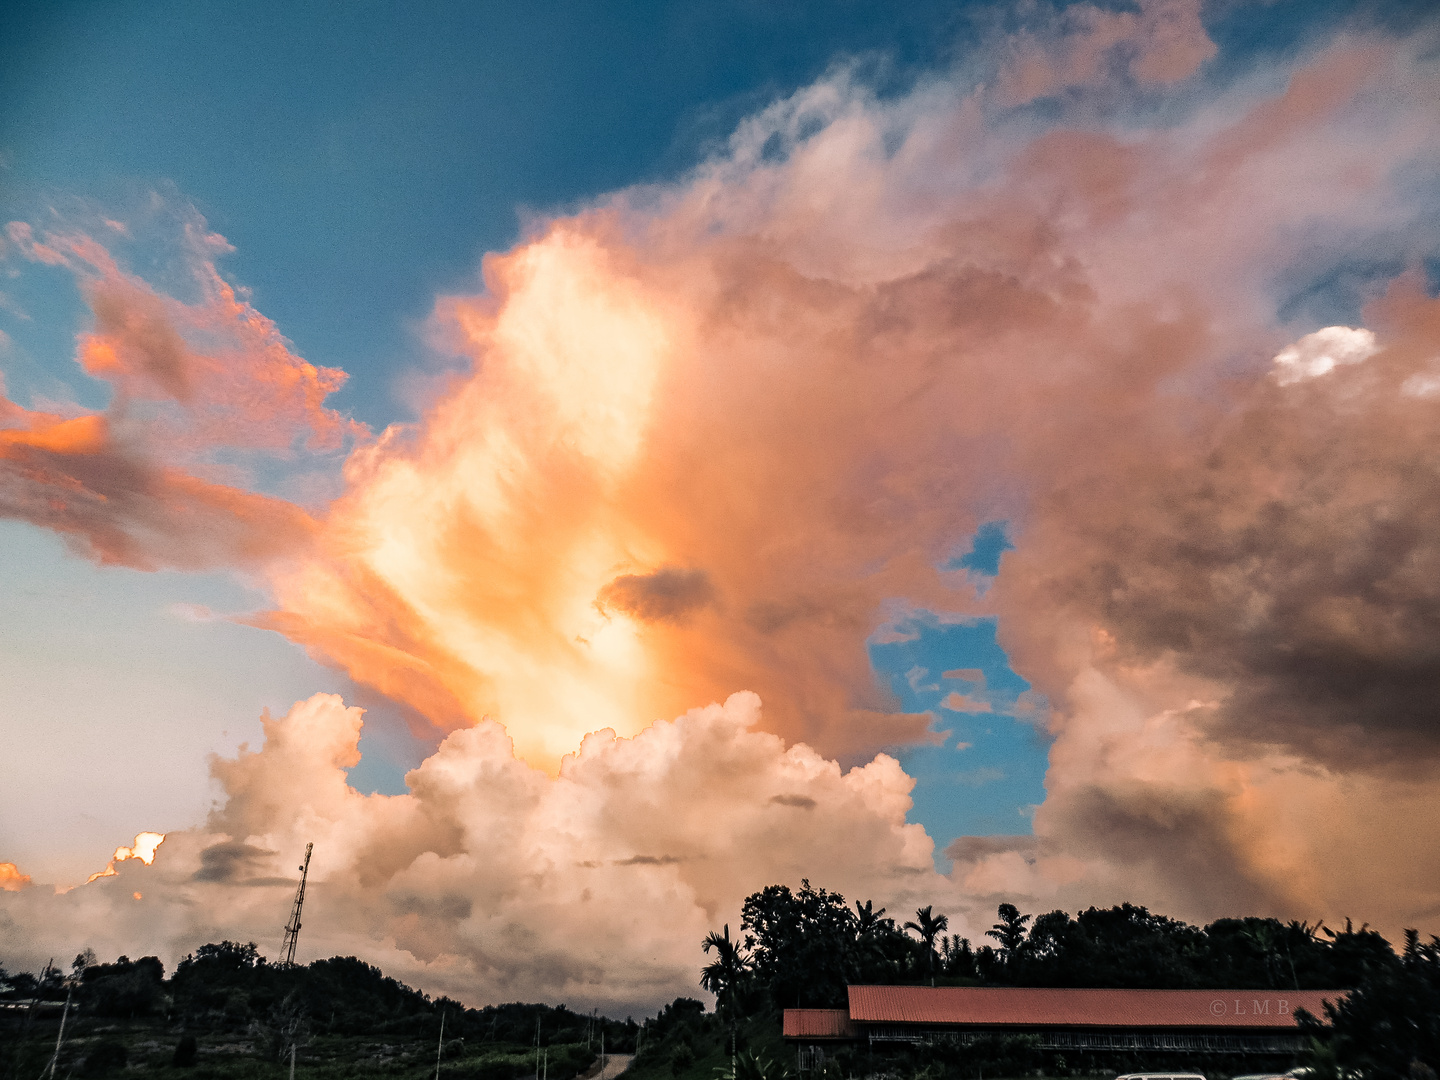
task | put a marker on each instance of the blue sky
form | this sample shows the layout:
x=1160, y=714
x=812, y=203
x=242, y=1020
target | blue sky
x=361, y=157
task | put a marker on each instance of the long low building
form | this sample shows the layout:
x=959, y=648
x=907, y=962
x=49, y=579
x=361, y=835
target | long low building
x=1232, y=1021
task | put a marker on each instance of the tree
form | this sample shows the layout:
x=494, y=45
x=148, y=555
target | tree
x=882, y=953
x=867, y=919
x=929, y=927
x=1009, y=932
x=83, y=961
x=1388, y=1027
x=124, y=988
x=803, y=944
x=956, y=957
x=726, y=975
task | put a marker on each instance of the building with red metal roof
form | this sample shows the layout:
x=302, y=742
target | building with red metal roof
x=819, y=1025
x=1236, y=1021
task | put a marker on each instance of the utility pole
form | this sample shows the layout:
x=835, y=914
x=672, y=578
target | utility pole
x=54, y=1061
x=292, y=928
x=438, y=1046
x=35, y=1001
x=292, y=1060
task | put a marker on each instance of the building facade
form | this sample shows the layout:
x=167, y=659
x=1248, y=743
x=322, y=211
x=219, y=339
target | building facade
x=1228, y=1021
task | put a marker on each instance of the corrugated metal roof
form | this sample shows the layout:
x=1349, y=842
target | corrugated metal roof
x=818, y=1024
x=992, y=1006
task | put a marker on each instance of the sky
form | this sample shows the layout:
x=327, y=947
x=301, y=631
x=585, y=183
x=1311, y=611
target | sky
x=579, y=465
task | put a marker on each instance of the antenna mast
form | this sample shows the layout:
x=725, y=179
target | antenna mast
x=292, y=928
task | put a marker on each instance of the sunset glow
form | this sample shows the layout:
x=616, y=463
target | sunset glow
x=144, y=848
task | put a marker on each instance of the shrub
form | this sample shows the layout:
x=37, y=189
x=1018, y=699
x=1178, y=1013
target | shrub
x=105, y=1055
x=185, y=1052
x=681, y=1058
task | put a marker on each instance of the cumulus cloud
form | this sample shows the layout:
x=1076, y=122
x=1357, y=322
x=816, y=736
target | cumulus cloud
x=491, y=880
x=1315, y=354
x=11, y=879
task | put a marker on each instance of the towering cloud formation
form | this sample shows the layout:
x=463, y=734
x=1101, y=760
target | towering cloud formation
x=714, y=435
x=493, y=881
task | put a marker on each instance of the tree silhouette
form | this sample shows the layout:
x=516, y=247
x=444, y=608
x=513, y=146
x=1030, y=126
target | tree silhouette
x=929, y=927
x=804, y=944
x=1009, y=931
x=726, y=974
x=1388, y=1026
x=867, y=919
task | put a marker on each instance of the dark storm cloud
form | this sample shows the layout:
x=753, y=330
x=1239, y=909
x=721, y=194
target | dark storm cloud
x=666, y=595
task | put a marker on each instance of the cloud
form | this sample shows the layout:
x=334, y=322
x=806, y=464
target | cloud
x=1315, y=354
x=134, y=484
x=1086, y=46
x=979, y=777
x=668, y=594
x=800, y=376
x=786, y=387
x=969, y=674
x=491, y=880
x=230, y=861
x=11, y=879
x=144, y=847
x=958, y=702
x=800, y=802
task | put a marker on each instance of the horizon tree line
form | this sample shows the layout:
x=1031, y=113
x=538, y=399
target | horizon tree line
x=803, y=948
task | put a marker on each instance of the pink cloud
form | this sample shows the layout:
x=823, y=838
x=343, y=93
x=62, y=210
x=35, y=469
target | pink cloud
x=128, y=484
x=958, y=702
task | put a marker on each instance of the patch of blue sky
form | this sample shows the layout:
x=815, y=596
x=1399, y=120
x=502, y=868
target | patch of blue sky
x=990, y=541
x=41, y=313
x=987, y=773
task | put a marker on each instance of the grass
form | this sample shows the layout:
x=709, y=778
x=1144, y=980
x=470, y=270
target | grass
x=150, y=1046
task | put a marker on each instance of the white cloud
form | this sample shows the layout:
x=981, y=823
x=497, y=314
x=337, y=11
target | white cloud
x=1321, y=352
x=493, y=881
x=1422, y=384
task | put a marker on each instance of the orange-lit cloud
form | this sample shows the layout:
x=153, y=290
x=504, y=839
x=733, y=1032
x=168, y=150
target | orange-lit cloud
x=144, y=848
x=11, y=879
x=136, y=484
x=715, y=436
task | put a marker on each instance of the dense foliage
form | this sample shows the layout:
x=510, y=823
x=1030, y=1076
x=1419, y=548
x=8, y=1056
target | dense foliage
x=795, y=948
x=224, y=1002
x=805, y=947
x=802, y=948
x=1389, y=1026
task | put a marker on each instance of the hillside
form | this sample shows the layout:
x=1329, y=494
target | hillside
x=225, y=1013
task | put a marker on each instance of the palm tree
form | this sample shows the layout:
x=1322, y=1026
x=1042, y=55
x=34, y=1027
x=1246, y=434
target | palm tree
x=867, y=919
x=725, y=976
x=929, y=927
x=1009, y=931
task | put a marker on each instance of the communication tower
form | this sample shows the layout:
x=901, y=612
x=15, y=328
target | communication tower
x=292, y=928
